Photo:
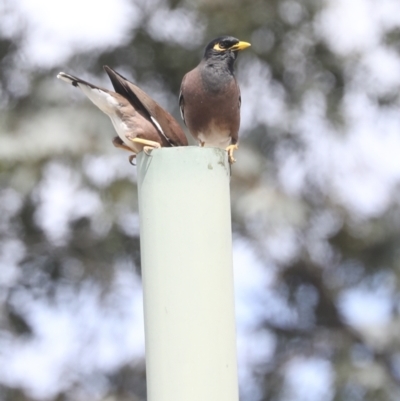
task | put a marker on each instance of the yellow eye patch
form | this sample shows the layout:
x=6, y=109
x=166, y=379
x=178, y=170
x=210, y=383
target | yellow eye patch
x=218, y=47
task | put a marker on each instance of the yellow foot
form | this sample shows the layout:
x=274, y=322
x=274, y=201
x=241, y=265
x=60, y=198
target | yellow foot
x=149, y=145
x=148, y=149
x=230, y=149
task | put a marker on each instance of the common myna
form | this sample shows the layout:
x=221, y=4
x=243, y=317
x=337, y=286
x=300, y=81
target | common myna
x=210, y=96
x=141, y=123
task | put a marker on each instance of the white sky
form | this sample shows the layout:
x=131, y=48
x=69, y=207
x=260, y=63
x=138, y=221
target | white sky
x=56, y=30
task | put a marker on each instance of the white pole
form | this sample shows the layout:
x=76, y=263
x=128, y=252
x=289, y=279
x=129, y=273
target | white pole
x=186, y=255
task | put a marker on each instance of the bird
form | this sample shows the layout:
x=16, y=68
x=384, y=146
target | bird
x=140, y=122
x=209, y=98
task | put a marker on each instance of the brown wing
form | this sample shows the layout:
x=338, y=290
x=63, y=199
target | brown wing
x=161, y=119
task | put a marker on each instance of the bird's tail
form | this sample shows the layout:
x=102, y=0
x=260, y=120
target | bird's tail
x=102, y=98
x=75, y=81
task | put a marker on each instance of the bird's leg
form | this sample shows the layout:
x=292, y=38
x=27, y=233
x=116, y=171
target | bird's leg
x=230, y=149
x=117, y=142
x=149, y=145
x=201, y=143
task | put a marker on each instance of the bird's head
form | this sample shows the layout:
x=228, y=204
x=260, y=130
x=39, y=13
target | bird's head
x=224, y=48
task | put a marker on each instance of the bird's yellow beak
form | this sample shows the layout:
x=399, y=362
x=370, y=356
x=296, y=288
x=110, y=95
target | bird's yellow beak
x=240, y=46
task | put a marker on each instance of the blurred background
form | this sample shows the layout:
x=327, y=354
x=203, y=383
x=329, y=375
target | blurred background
x=315, y=194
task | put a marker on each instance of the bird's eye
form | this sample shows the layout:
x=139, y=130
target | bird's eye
x=223, y=45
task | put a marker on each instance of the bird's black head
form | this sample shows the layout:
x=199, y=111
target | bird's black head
x=224, y=48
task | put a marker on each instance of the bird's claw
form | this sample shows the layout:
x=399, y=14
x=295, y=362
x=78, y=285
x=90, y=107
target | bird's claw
x=147, y=150
x=148, y=145
x=131, y=157
x=230, y=149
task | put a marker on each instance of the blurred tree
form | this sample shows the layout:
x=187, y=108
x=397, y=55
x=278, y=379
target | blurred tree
x=315, y=195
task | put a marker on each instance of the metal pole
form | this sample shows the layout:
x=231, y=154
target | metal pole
x=186, y=255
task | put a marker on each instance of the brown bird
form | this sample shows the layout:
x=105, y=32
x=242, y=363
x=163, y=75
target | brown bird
x=141, y=123
x=210, y=96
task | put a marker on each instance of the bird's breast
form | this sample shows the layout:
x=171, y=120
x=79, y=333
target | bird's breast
x=215, y=79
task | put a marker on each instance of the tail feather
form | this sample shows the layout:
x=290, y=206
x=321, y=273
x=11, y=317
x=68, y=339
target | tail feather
x=75, y=81
x=105, y=100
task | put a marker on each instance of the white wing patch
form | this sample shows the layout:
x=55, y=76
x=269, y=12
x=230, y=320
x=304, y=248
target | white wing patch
x=155, y=122
x=181, y=107
x=160, y=130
